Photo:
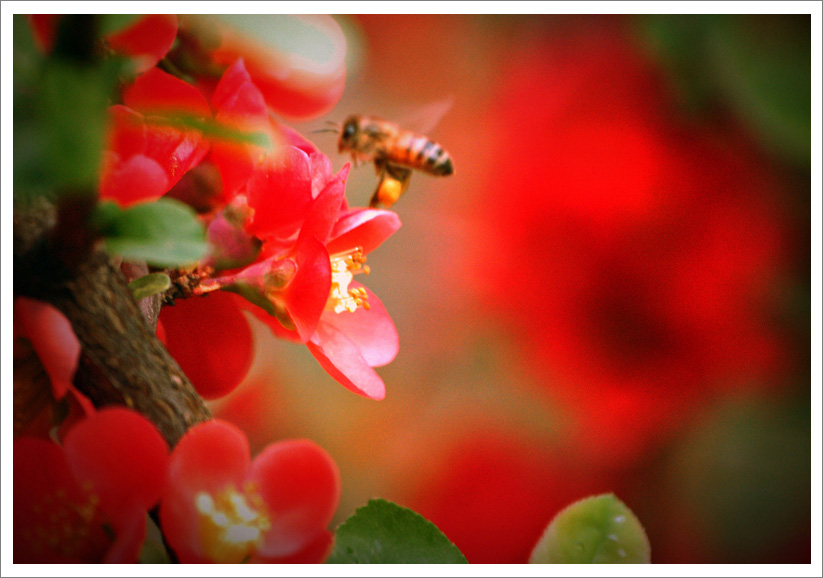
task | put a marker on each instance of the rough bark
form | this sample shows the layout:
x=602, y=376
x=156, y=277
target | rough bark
x=122, y=361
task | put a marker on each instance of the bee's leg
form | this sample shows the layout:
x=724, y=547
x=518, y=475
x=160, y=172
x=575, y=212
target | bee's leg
x=393, y=183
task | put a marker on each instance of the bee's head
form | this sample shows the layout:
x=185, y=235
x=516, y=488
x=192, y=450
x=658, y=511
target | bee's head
x=349, y=133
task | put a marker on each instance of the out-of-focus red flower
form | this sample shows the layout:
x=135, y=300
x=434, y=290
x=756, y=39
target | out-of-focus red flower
x=46, y=355
x=300, y=79
x=146, y=40
x=493, y=495
x=220, y=506
x=146, y=155
x=237, y=102
x=87, y=501
x=53, y=339
x=211, y=340
x=640, y=248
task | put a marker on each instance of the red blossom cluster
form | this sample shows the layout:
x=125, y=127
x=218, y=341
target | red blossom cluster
x=86, y=499
x=281, y=232
x=284, y=245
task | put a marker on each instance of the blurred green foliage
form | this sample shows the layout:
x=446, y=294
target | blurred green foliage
x=59, y=107
x=743, y=472
x=759, y=66
x=165, y=233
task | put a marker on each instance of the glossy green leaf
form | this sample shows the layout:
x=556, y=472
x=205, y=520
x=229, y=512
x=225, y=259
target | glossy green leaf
x=382, y=532
x=164, y=233
x=595, y=530
x=149, y=285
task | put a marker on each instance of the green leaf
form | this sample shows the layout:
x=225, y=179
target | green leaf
x=595, y=530
x=165, y=233
x=382, y=532
x=149, y=285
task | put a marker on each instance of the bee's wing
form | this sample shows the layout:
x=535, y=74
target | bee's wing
x=423, y=119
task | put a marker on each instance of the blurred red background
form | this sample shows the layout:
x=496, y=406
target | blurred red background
x=610, y=294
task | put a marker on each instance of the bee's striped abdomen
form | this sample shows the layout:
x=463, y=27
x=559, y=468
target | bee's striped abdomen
x=418, y=152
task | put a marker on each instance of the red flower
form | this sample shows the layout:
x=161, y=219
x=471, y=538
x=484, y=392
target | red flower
x=237, y=102
x=87, y=501
x=43, y=387
x=220, y=506
x=640, y=249
x=146, y=155
x=353, y=332
x=147, y=39
x=491, y=492
x=211, y=340
x=288, y=203
x=302, y=79
x=53, y=339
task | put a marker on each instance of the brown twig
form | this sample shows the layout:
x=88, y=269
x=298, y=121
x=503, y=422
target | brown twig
x=122, y=361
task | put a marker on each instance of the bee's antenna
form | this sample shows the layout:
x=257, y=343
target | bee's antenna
x=334, y=127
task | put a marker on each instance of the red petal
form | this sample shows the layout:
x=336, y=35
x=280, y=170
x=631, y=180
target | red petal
x=211, y=340
x=45, y=495
x=300, y=484
x=134, y=180
x=149, y=39
x=237, y=102
x=372, y=331
x=237, y=97
x=298, y=85
x=44, y=28
x=307, y=293
x=53, y=339
x=122, y=455
x=209, y=457
x=341, y=358
x=274, y=325
x=156, y=91
x=144, y=161
x=324, y=210
x=366, y=228
x=280, y=193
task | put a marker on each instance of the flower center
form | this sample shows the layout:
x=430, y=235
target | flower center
x=344, y=266
x=71, y=526
x=233, y=523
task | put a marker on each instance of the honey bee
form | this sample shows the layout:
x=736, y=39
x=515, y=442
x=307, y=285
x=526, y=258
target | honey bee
x=396, y=153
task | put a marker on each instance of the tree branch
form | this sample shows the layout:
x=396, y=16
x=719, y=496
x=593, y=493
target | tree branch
x=122, y=361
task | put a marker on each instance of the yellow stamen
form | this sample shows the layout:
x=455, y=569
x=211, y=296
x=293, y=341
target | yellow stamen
x=344, y=266
x=233, y=523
